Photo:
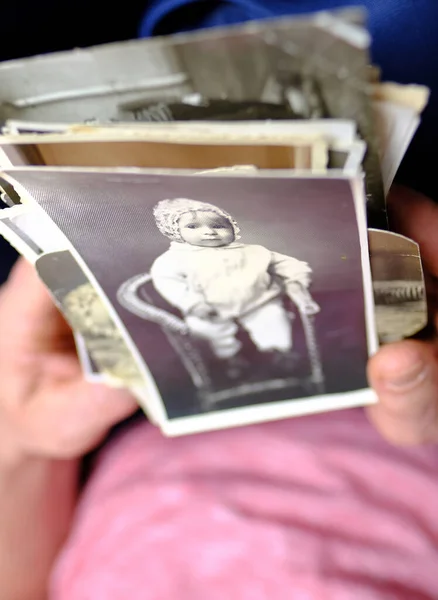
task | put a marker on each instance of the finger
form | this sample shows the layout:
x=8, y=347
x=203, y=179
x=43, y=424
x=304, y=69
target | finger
x=405, y=378
x=416, y=217
x=28, y=317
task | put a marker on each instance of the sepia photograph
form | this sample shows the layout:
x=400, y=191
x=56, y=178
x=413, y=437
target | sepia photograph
x=307, y=153
x=241, y=299
x=291, y=144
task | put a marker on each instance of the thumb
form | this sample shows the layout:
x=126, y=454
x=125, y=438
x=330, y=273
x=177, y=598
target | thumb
x=405, y=378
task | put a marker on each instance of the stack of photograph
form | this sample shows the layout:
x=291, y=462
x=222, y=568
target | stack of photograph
x=208, y=212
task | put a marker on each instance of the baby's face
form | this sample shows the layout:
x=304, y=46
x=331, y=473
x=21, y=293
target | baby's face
x=206, y=228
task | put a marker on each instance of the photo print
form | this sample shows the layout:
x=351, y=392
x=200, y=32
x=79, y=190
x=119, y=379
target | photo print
x=248, y=299
x=88, y=315
x=398, y=284
x=309, y=67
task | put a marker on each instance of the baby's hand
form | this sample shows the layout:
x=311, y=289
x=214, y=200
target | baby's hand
x=310, y=308
x=202, y=310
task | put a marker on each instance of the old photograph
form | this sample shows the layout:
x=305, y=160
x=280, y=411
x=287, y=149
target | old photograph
x=291, y=144
x=241, y=300
x=311, y=67
x=308, y=153
x=87, y=314
x=399, y=287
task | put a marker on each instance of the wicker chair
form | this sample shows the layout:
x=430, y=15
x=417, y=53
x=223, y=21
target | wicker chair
x=139, y=297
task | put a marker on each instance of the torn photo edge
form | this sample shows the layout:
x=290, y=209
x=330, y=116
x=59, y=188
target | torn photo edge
x=250, y=414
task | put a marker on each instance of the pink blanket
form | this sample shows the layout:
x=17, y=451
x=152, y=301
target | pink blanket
x=317, y=508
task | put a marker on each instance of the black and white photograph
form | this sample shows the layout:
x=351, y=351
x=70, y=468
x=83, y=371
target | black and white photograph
x=248, y=298
x=313, y=66
x=310, y=67
x=398, y=284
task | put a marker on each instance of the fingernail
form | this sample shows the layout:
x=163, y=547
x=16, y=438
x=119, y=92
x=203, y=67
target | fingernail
x=408, y=378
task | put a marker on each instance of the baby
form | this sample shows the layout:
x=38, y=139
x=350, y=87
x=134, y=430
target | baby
x=218, y=282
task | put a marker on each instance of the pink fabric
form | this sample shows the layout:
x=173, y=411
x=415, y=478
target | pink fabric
x=317, y=508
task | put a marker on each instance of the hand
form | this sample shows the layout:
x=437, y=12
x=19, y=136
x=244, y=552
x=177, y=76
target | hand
x=310, y=308
x=202, y=310
x=46, y=406
x=405, y=374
